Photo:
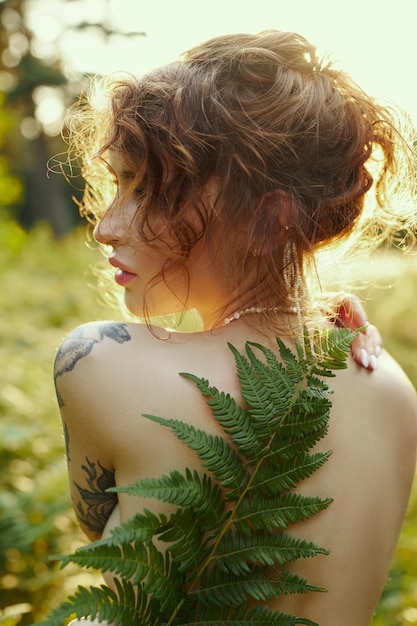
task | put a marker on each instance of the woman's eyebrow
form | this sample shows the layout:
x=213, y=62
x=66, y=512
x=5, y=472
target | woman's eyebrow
x=123, y=175
x=127, y=174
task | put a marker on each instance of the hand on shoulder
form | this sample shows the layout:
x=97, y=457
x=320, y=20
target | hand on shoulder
x=350, y=313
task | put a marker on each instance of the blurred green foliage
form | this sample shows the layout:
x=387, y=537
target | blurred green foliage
x=391, y=305
x=45, y=290
x=43, y=293
x=11, y=189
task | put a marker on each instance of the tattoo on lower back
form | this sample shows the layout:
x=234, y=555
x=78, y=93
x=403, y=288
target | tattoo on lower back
x=95, y=506
x=77, y=346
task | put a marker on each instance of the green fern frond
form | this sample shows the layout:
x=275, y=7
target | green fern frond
x=224, y=589
x=278, y=390
x=293, y=470
x=256, y=391
x=191, y=490
x=135, y=562
x=186, y=539
x=120, y=608
x=175, y=487
x=286, y=446
x=246, y=616
x=123, y=560
x=264, y=513
x=237, y=553
x=330, y=349
x=226, y=542
x=141, y=528
x=276, y=375
x=264, y=617
x=296, y=364
x=217, y=455
x=234, y=419
x=290, y=584
x=82, y=603
x=309, y=414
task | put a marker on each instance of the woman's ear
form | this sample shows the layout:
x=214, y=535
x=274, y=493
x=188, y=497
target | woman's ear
x=276, y=215
x=280, y=208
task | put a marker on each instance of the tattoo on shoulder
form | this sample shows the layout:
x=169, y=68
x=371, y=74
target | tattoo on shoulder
x=95, y=506
x=77, y=346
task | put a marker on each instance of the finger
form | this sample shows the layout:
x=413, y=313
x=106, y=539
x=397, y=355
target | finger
x=367, y=347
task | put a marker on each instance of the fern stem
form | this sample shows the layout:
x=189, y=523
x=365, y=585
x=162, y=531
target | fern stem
x=230, y=521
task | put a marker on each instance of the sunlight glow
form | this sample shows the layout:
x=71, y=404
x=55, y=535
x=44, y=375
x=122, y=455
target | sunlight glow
x=375, y=44
x=30, y=128
x=50, y=108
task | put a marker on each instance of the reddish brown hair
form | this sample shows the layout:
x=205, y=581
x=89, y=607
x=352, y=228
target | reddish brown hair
x=284, y=139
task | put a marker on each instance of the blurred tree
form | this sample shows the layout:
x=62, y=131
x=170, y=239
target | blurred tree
x=35, y=86
x=10, y=186
x=27, y=146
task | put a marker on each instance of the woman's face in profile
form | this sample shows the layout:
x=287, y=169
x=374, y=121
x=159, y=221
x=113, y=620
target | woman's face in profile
x=139, y=261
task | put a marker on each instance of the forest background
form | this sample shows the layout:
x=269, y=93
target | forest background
x=46, y=288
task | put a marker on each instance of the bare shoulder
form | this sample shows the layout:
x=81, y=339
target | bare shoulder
x=106, y=361
x=382, y=406
x=394, y=390
x=84, y=346
x=81, y=341
x=395, y=419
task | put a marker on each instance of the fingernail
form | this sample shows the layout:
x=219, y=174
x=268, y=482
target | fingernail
x=378, y=351
x=368, y=331
x=364, y=358
x=373, y=361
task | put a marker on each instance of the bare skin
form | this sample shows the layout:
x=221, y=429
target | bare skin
x=109, y=374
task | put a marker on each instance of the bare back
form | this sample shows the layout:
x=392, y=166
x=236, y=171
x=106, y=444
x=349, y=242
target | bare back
x=109, y=374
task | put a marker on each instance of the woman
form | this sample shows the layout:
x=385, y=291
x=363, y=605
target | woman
x=231, y=171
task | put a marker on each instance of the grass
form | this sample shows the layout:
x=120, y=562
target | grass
x=45, y=290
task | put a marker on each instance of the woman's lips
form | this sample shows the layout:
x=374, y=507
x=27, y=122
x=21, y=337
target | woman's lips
x=123, y=278
x=123, y=275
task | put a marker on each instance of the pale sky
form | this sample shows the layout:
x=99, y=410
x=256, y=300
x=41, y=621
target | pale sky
x=374, y=40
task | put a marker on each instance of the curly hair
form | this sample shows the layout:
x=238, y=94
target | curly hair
x=290, y=147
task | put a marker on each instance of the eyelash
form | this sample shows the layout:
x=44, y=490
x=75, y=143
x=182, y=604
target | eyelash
x=138, y=191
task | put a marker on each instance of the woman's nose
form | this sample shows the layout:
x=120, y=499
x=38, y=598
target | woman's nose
x=109, y=230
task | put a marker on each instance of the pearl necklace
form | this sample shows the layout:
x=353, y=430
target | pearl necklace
x=291, y=310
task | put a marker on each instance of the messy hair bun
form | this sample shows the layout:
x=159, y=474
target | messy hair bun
x=291, y=146
x=296, y=124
